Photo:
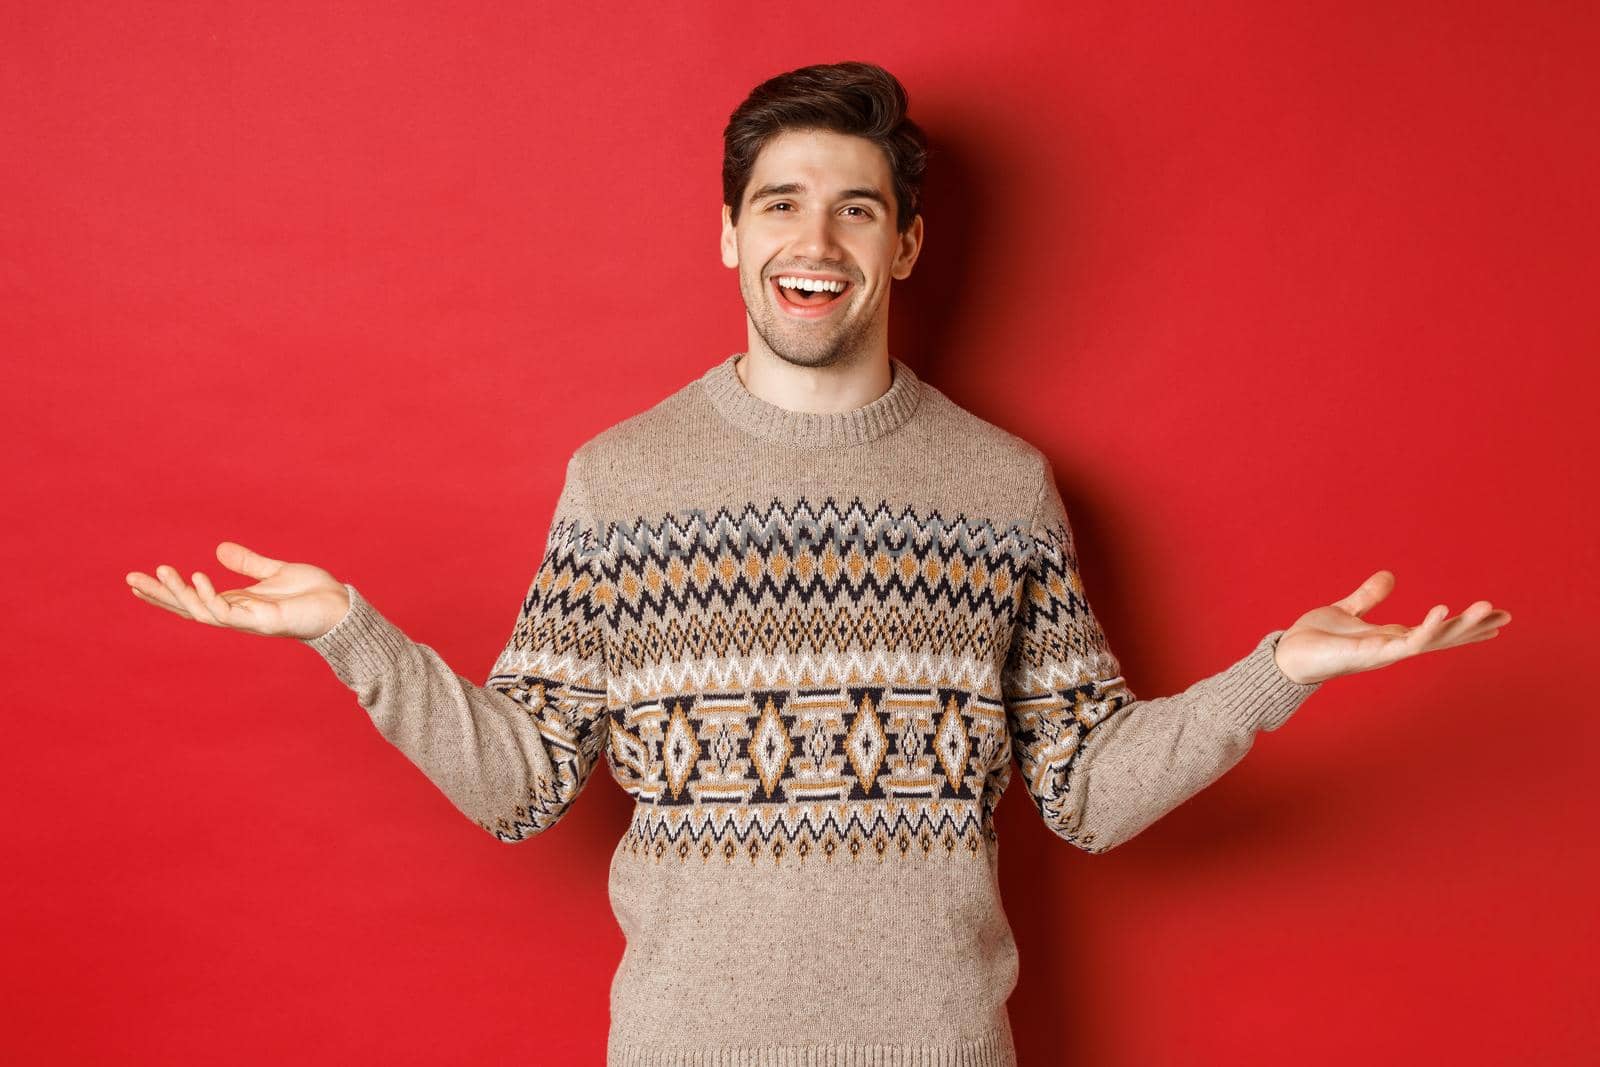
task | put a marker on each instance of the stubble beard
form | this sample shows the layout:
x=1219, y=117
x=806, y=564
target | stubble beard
x=804, y=343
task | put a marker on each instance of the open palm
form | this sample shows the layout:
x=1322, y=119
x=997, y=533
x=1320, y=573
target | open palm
x=1334, y=639
x=288, y=599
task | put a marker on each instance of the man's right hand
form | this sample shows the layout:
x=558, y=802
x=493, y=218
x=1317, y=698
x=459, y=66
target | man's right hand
x=288, y=600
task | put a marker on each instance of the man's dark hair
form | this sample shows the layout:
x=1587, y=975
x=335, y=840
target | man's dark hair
x=861, y=99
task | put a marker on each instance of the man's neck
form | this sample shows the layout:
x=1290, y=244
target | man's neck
x=842, y=386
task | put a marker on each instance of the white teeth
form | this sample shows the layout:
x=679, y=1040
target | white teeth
x=813, y=285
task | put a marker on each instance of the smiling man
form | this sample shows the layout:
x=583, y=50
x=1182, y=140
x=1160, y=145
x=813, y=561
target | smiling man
x=817, y=240
x=807, y=610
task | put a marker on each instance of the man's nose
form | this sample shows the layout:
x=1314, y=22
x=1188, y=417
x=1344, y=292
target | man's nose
x=819, y=240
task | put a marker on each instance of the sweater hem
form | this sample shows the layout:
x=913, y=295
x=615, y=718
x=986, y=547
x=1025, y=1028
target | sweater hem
x=993, y=1049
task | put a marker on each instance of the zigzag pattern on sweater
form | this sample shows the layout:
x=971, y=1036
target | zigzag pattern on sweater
x=780, y=657
x=819, y=555
x=816, y=833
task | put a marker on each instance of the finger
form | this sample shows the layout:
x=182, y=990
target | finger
x=1423, y=635
x=1493, y=616
x=215, y=606
x=1368, y=594
x=151, y=588
x=147, y=598
x=1484, y=628
x=1466, y=626
x=156, y=589
x=1470, y=639
x=185, y=596
x=236, y=557
x=1477, y=623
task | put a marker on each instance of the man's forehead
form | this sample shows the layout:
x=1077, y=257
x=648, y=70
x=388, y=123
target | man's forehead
x=820, y=161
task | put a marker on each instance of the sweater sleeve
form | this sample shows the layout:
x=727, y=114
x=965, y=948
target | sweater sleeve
x=1101, y=764
x=512, y=754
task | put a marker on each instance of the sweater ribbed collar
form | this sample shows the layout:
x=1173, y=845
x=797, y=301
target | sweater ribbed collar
x=807, y=429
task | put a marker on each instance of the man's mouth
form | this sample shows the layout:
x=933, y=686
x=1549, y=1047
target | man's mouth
x=809, y=297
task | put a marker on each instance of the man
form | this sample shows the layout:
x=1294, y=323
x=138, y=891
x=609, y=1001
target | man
x=809, y=608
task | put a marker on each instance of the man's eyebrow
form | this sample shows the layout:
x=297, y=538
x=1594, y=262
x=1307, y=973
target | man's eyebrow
x=790, y=188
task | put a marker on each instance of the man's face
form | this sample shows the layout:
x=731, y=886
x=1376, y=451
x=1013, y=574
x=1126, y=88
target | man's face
x=819, y=205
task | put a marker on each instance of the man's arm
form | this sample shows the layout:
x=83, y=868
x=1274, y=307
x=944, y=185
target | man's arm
x=513, y=754
x=1101, y=764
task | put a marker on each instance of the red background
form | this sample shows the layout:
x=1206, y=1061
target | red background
x=1288, y=294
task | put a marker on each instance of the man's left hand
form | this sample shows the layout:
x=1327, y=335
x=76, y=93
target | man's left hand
x=1329, y=641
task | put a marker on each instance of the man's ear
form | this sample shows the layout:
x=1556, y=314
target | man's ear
x=730, y=239
x=909, y=246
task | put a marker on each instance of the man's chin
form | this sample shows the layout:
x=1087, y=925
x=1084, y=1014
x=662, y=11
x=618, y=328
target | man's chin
x=817, y=350
x=804, y=342
x=805, y=358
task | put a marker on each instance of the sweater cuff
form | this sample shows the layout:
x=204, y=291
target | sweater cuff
x=1256, y=695
x=363, y=645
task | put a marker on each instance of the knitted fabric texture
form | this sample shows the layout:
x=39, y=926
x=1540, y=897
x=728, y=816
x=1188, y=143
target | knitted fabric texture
x=809, y=647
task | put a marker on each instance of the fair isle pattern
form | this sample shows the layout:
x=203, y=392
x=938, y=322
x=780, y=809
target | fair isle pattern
x=818, y=832
x=554, y=666
x=813, y=680
x=855, y=713
x=827, y=577
x=1061, y=680
x=869, y=772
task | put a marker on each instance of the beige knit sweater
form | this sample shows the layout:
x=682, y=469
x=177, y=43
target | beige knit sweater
x=809, y=647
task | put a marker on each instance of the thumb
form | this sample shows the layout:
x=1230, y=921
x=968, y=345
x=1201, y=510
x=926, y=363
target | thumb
x=1368, y=595
x=236, y=557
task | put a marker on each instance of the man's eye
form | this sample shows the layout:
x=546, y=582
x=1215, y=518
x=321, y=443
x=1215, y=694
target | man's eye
x=857, y=207
x=781, y=203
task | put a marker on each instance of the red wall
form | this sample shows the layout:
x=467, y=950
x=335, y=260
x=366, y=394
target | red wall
x=1287, y=293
